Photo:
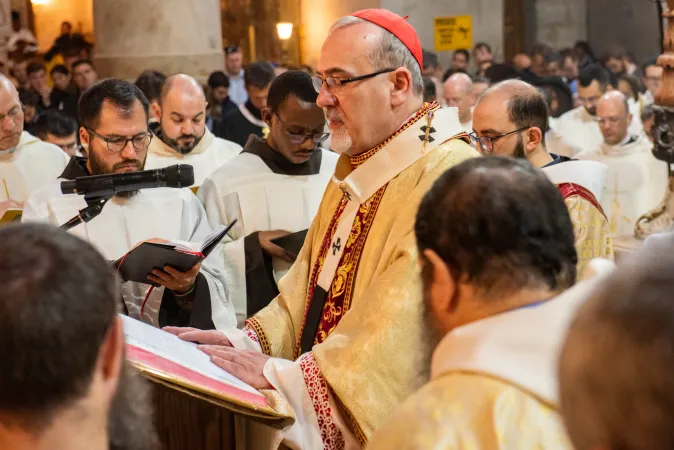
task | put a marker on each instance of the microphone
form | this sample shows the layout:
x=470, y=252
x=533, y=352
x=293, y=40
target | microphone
x=107, y=185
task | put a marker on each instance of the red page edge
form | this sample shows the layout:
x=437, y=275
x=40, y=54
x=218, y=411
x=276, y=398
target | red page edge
x=138, y=355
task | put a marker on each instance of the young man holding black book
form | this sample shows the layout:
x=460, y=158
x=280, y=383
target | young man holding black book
x=274, y=188
x=113, y=117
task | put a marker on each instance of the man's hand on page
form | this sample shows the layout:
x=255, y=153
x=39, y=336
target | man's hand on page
x=205, y=337
x=245, y=365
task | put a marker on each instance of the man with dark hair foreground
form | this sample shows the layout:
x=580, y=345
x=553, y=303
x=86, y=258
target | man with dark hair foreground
x=510, y=120
x=275, y=182
x=64, y=383
x=182, y=136
x=616, y=366
x=240, y=123
x=113, y=117
x=578, y=130
x=496, y=248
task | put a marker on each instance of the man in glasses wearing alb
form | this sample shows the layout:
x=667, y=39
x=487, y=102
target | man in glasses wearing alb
x=113, y=115
x=510, y=119
x=273, y=188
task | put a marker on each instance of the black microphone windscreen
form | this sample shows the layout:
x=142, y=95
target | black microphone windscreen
x=179, y=176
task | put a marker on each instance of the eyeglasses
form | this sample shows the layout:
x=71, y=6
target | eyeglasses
x=299, y=139
x=333, y=82
x=118, y=143
x=487, y=143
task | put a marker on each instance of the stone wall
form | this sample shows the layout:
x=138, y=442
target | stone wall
x=561, y=23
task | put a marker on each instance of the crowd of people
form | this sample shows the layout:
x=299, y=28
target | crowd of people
x=455, y=223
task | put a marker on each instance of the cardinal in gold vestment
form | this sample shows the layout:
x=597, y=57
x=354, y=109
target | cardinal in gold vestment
x=337, y=348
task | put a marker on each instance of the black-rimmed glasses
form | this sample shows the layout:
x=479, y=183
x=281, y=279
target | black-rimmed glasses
x=299, y=139
x=333, y=82
x=118, y=143
x=487, y=143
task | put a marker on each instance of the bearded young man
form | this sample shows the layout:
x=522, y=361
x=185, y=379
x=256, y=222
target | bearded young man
x=114, y=132
x=183, y=137
x=510, y=120
x=335, y=345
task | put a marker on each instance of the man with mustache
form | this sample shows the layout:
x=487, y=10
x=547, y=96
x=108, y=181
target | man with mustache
x=183, y=137
x=26, y=163
x=509, y=120
x=496, y=249
x=273, y=188
x=64, y=383
x=114, y=132
x=577, y=130
x=337, y=344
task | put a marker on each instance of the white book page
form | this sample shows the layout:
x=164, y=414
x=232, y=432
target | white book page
x=197, y=247
x=186, y=354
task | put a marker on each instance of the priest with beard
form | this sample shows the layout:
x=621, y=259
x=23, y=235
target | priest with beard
x=182, y=137
x=496, y=249
x=26, y=163
x=64, y=383
x=113, y=117
x=246, y=120
x=273, y=188
x=509, y=120
x=334, y=346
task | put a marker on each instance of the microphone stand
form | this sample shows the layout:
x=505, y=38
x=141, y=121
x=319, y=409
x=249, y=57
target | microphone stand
x=96, y=196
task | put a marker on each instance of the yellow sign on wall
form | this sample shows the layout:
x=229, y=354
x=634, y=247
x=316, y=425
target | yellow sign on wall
x=453, y=33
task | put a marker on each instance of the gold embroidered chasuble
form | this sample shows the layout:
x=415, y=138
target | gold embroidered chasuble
x=369, y=330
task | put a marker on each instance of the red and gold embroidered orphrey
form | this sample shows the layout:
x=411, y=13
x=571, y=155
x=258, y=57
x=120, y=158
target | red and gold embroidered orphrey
x=332, y=436
x=254, y=331
x=339, y=295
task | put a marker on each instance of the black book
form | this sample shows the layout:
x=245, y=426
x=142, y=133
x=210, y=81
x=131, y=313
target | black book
x=292, y=243
x=138, y=263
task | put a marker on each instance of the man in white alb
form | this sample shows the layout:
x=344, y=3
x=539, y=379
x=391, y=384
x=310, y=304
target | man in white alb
x=113, y=116
x=636, y=181
x=577, y=130
x=273, y=188
x=458, y=92
x=26, y=163
x=183, y=137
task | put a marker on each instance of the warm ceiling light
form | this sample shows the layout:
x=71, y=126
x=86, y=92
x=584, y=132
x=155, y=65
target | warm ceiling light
x=284, y=30
x=39, y=2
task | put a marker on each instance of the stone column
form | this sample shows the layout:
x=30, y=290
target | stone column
x=172, y=36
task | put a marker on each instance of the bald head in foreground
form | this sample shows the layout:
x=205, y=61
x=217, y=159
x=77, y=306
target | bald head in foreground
x=27, y=163
x=182, y=135
x=458, y=92
x=615, y=369
x=510, y=119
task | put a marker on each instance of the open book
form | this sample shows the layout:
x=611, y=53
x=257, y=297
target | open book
x=138, y=263
x=180, y=365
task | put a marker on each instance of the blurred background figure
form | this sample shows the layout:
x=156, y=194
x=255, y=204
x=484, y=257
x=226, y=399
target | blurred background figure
x=235, y=72
x=652, y=79
x=59, y=129
x=219, y=103
x=21, y=42
x=150, y=82
x=458, y=93
x=430, y=92
x=84, y=75
x=460, y=60
x=522, y=62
